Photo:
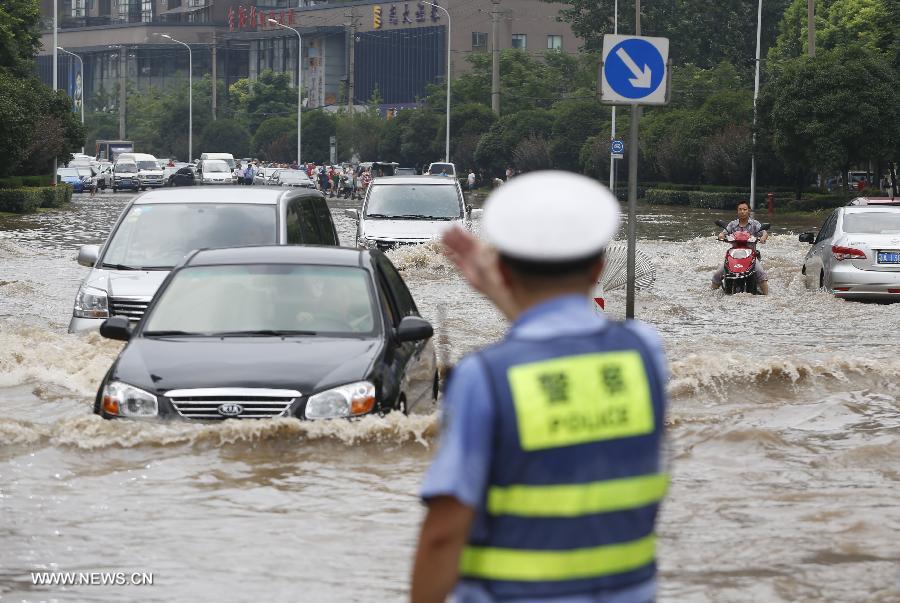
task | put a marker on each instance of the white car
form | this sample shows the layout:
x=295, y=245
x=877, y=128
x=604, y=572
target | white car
x=286, y=177
x=856, y=253
x=215, y=171
x=408, y=210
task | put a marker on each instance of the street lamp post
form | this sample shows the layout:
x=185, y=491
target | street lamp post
x=755, y=96
x=299, y=84
x=190, y=95
x=82, y=83
x=447, y=143
x=612, y=161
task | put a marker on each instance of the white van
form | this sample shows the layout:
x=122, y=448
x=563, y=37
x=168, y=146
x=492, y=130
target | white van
x=226, y=157
x=149, y=174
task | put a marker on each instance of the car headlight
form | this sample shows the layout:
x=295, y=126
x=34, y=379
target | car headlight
x=91, y=303
x=125, y=400
x=344, y=401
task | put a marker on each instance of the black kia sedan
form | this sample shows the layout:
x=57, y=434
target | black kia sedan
x=261, y=332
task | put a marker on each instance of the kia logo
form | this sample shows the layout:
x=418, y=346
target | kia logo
x=230, y=409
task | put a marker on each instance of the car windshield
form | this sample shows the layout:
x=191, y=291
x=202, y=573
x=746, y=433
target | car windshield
x=147, y=165
x=85, y=171
x=293, y=175
x=438, y=168
x=872, y=222
x=428, y=201
x=125, y=167
x=66, y=172
x=159, y=235
x=266, y=300
x=215, y=166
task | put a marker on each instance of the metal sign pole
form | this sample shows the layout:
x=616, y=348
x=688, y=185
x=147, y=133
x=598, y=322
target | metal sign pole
x=632, y=187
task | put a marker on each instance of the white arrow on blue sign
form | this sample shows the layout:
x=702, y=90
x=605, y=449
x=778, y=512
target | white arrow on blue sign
x=634, y=70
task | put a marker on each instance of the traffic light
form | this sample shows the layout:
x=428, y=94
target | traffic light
x=376, y=16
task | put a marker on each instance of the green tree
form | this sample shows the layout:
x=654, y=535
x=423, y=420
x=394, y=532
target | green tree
x=318, y=128
x=701, y=32
x=271, y=138
x=226, y=136
x=817, y=121
x=270, y=95
x=20, y=36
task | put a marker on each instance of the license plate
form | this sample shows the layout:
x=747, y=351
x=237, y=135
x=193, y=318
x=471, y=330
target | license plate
x=889, y=257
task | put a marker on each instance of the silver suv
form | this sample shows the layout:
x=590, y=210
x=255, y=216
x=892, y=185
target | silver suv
x=157, y=229
x=407, y=210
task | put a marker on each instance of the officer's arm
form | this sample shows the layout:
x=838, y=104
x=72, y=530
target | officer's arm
x=441, y=541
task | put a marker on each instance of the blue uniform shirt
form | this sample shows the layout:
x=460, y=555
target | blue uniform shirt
x=460, y=467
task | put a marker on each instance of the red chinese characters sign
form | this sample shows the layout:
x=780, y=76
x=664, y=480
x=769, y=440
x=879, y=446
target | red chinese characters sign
x=243, y=18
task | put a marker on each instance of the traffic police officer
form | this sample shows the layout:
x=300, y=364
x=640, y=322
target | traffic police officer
x=548, y=477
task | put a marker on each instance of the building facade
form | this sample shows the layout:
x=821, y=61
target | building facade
x=349, y=49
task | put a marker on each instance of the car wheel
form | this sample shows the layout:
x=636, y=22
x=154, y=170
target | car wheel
x=115, y=189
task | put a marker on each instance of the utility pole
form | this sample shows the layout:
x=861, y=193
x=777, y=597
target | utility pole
x=612, y=136
x=351, y=68
x=811, y=27
x=495, y=57
x=214, y=80
x=632, y=187
x=755, y=97
x=123, y=60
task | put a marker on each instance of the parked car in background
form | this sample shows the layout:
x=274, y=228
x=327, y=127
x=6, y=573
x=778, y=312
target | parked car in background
x=214, y=171
x=105, y=176
x=74, y=177
x=306, y=332
x=286, y=177
x=856, y=253
x=149, y=174
x=182, y=177
x=408, y=210
x=226, y=157
x=442, y=169
x=125, y=176
x=155, y=231
x=264, y=175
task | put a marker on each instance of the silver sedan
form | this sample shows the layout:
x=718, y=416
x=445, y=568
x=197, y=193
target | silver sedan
x=856, y=253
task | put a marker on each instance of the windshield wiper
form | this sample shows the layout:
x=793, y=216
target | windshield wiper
x=379, y=216
x=263, y=333
x=418, y=217
x=168, y=333
x=120, y=266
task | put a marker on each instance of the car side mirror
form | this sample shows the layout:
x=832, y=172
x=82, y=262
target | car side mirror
x=352, y=213
x=807, y=237
x=414, y=328
x=116, y=327
x=87, y=255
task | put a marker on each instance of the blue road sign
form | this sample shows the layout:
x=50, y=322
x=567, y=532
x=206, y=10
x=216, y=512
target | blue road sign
x=634, y=69
x=617, y=147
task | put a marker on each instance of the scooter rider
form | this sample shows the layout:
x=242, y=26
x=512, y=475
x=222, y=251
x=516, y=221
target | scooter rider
x=745, y=223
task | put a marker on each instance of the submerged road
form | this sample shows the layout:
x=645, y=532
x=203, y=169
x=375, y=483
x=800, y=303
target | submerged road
x=784, y=434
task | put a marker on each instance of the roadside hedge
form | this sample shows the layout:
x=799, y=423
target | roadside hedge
x=28, y=199
x=705, y=199
x=26, y=181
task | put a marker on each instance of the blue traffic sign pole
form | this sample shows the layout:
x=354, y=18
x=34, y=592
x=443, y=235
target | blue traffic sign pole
x=632, y=186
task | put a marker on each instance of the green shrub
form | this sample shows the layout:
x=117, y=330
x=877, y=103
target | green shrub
x=20, y=200
x=11, y=182
x=46, y=180
x=656, y=196
x=56, y=196
x=715, y=200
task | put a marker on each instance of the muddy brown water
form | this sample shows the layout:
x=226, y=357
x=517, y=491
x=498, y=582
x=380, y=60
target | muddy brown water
x=784, y=425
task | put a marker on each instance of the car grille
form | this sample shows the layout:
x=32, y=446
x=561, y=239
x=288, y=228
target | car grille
x=131, y=308
x=232, y=403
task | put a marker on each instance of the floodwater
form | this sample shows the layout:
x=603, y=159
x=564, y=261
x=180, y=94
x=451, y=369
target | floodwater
x=784, y=425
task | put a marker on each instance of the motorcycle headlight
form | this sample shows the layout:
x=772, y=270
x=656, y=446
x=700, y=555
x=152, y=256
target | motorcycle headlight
x=91, y=303
x=345, y=401
x=125, y=400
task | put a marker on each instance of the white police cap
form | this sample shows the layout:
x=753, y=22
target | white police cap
x=551, y=216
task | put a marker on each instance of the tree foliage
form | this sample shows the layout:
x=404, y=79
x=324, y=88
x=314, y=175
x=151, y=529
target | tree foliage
x=227, y=134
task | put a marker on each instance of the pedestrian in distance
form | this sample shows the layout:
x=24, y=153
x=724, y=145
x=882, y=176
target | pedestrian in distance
x=548, y=476
x=470, y=180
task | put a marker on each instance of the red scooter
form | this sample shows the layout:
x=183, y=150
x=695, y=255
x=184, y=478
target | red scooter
x=739, y=274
